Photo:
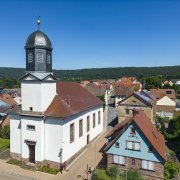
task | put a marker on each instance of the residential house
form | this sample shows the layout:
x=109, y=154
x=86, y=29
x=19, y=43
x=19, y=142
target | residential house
x=121, y=93
x=138, y=100
x=168, y=82
x=85, y=83
x=165, y=102
x=131, y=82
x=136, y=143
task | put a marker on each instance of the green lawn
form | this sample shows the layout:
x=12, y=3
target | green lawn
x=4, y=144
x=101, y=175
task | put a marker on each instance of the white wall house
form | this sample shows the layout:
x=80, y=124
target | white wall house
x=57, y=119
x=165, y=107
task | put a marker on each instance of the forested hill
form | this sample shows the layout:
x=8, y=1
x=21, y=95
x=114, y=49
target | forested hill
x=169, y=72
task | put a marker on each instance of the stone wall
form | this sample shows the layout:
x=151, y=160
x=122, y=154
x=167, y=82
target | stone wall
x=157, y=174
x=15, y=156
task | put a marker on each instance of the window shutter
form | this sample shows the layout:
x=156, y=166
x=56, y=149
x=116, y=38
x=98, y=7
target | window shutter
x=151, y=165
x=121, y=160
x=115, y=159
x=137, y=146
x=144, y=164
x=129, y=145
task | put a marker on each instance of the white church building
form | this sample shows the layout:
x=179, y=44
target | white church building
x=57, y=120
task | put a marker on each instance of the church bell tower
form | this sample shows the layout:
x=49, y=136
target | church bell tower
x=38, y=52
x=38, y=85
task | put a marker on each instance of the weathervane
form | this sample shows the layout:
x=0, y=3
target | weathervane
x=38, y=22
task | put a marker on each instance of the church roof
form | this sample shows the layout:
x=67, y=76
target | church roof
x=71, y=99
x=38, y=38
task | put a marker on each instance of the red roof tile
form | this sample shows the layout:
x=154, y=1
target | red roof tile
x=71, y=99
x=8, y=99
x=159, y=93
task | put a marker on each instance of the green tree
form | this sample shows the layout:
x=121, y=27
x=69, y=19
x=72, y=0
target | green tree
x=176, y=125
x=153, y=82
x=5, y=132
x=171, y=169
x=160, y=124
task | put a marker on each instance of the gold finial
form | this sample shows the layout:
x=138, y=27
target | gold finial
x=38, y=22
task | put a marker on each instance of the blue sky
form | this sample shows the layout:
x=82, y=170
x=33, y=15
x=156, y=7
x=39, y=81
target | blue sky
x=94, y=33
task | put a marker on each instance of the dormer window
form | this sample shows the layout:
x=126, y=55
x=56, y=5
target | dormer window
x=30, y=58
x=150, y=149
x=168, y=92
x=117, y=145
x=133, y=131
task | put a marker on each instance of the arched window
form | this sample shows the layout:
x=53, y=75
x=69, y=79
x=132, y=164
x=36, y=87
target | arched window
x=40, y=58
x=30, y=58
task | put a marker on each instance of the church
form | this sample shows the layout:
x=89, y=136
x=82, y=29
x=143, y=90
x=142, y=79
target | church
x=57, y=120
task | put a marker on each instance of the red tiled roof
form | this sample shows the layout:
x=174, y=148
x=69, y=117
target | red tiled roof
x=71, y=99
x=123, y=91
x=148, y=129
x=8, y=99
x=159, y=93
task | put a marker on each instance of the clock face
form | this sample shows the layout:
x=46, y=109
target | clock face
x=40, y=41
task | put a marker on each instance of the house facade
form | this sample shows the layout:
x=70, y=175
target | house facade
x=136, y=143
x=57, y=120
x=165, y=102
x=138, y=100
x=121, y=93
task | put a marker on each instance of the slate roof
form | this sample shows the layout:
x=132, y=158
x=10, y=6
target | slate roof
x=160, y=93
x=147, y=128
x=143, y=97
x=71, y=99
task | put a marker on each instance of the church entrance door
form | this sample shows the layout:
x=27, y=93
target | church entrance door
x=32, y=153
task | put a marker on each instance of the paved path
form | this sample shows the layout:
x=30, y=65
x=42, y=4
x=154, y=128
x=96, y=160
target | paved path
x=91, y=156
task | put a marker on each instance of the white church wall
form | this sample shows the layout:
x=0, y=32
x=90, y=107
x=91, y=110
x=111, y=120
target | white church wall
x=57, y=135
x=48, y=92
x=31, y=96
x=69, y=149
x=53, y=139
x=30, y=135
x=37, y=95
x=15, y=134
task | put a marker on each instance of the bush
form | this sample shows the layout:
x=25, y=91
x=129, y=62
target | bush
x=48, y=170
x=5, y=132
x=113, y=172
x=171, y=169
x=133, y=175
